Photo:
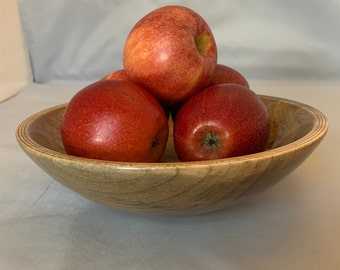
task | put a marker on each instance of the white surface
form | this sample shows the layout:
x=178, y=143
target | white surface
x=293, y=225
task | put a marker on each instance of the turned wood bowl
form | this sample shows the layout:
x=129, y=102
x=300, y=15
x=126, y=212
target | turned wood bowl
x=173, y=187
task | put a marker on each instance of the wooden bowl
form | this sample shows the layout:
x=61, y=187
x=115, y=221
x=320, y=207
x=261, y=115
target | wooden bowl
x=172, y=186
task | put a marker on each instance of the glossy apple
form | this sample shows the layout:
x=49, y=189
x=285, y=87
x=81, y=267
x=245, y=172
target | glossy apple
x=222, y=74
x=172, y=52
x=226, y=74
x=115, y=120
x=119, y=74
x=221, y=121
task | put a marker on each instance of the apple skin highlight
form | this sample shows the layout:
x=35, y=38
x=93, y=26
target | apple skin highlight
x=221, y=121
x=115, y=120
x=172, y=52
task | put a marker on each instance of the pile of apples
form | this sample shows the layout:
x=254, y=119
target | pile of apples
x=169, y=69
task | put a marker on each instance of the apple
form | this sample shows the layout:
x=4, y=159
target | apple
x=115, y=120
x=119, y=74
x=226, y=74
x=171, y=51
x=222, y=74
x=221, y=121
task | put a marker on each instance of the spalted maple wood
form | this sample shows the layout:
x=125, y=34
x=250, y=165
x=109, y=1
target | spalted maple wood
x=172, y=186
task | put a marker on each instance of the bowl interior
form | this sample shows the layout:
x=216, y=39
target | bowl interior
x=289, y=122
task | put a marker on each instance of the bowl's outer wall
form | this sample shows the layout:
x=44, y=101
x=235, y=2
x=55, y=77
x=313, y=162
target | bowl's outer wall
x=175, y=187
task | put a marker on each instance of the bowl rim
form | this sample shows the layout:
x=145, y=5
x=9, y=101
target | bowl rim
x=317, y=132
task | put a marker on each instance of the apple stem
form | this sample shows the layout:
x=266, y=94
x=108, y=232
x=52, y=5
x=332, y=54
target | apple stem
x=211, y=141
x=154, y=143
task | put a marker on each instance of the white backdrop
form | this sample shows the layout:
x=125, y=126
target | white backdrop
x=76, y=40
x=14, y=71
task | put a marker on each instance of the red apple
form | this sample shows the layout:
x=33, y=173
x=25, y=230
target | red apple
x=119, y=74
x=171, y=52
x=115, y=120
x=221, y=121
x=222, y=74
x=226, y=74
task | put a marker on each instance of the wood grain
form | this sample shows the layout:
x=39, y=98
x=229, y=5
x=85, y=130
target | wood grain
x=174, y=187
